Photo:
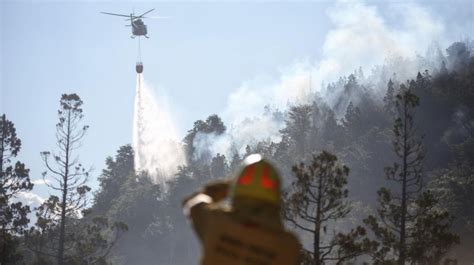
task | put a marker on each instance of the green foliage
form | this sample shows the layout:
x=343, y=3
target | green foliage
x=88, y=240
x=66, y=232
x=316, y=200
x=389, y=99
x=139, y=203
x=298, y=128
x=219, y=167
x=14, y=178
x=409, y=228
x=454, y=186
x=113, y=177
x=353, y=123
x=212, y=125
x=69, y=175
x=432, y=236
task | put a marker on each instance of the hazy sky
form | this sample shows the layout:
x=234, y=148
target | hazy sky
x=199, y=57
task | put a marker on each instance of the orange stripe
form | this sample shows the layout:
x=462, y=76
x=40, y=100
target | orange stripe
x=248, y=175
x=267, y=182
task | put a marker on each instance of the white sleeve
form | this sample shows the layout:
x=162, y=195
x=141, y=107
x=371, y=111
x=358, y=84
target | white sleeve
x=200, y=198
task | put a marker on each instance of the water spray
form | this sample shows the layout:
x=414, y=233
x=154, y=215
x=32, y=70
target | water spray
x=158, y=150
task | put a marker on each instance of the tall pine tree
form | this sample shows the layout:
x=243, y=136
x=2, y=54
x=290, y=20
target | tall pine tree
x=65, y=230
x=68, y=175
x=409, y=227
x=316, y=200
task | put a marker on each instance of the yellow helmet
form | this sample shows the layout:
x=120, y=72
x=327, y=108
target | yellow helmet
x=258, y=180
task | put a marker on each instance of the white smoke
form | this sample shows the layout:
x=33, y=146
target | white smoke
x=158, y=150
x=248, y=132
x=361, y=37
x=41, y=181
x=29, y=198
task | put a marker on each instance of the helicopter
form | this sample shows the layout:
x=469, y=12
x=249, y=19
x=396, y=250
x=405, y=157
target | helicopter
x=136, y=22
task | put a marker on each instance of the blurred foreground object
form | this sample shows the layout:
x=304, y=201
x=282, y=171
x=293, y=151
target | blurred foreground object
x=251, y=230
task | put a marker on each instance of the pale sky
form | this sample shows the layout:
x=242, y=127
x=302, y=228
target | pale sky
x=197, y=58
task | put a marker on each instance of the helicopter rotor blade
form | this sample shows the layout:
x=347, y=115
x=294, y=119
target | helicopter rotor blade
x=159, y=17
x=145, y=13
x=112, y=14
x=132, y=17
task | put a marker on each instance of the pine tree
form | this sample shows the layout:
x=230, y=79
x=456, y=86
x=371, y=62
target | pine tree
x=14, y=178
x=89, y=240
x=298, y=129
x=113, y=177
x=212, y=125
x=405, y=214
x=389, y=100
x=69, y=175
x=332, y=133
x=455, y=185
x=317, y=199
x=218, y=166
x=65, y=230
x=352, y=122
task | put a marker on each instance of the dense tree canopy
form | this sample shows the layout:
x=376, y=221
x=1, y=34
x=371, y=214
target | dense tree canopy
x=14, y=179
x=413, y=214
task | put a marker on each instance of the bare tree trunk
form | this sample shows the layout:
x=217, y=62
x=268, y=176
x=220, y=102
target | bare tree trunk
x=63, y=204
x=4, y=232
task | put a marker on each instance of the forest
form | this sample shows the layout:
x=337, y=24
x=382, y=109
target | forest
x=378, y=171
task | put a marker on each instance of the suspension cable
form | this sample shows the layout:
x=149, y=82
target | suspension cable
x=139, y=59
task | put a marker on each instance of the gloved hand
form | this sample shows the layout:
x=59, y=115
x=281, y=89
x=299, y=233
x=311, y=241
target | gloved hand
x=217, y=190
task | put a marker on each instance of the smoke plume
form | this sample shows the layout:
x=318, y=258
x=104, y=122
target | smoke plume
x=362, y=37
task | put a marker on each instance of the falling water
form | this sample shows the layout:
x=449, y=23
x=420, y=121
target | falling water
x=158, y=151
